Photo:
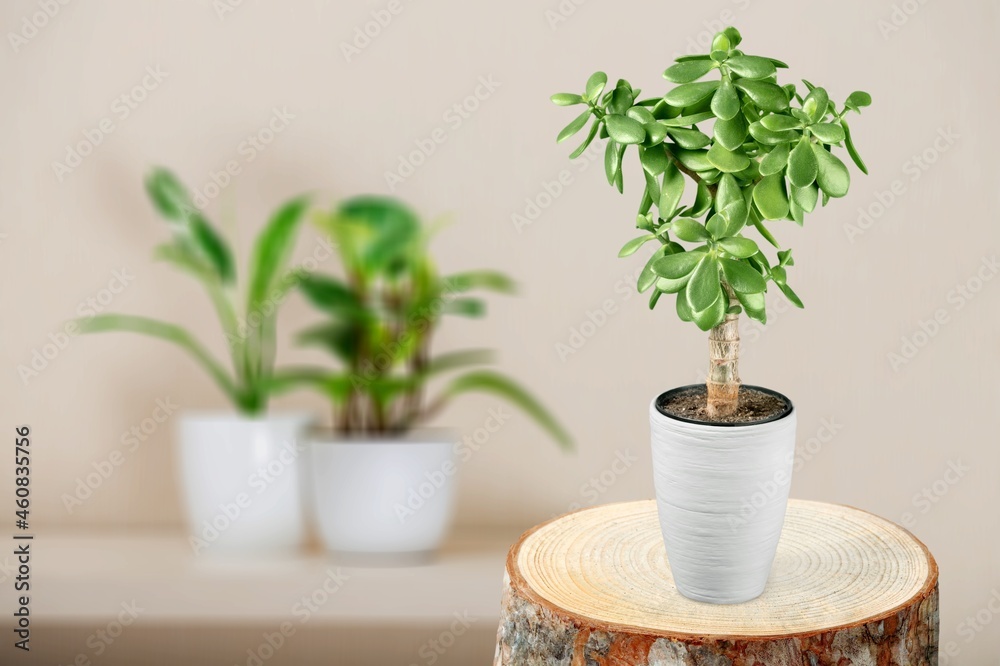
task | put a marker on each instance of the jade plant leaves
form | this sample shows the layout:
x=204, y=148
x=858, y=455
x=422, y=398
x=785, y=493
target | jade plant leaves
x=769, y=151
x=802, y=165
x=625, y=130
x=769, y=195
x=689, y=94
x=686, y=72
x=832, y=176
x=725, y=101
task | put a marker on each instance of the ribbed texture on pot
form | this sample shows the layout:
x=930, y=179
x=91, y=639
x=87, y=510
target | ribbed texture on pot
x=721, y=493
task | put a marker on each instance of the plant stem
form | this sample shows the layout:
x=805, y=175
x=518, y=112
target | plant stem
x=724, y=364
x=691, y=174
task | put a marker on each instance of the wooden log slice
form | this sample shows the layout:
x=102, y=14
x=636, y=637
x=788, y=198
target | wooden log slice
x=593, y=588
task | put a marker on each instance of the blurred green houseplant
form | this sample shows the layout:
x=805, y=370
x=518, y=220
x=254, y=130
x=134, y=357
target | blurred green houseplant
x=248, y=322
x=381, y=317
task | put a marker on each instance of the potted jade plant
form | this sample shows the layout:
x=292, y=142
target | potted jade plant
x=382, y=484
x=748, y=151
x=240, y=470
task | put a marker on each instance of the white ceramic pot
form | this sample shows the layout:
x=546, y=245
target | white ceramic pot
x=721, y=493
x=242, y=482
x=386, y=499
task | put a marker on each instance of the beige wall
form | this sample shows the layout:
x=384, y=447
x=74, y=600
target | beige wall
x=897, y=431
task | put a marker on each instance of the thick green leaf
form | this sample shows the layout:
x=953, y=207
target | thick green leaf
x=668, y=286
x=689, y=94
x=595, y=85
x=802, y=166
x=754, y=305
x=164, y=331
x=727, y=161
x=832, y=177
x=484, y=381
x=742, y=277
x=611, y=161
x=586, y=143
x=731, y=133
x=678, y=265
x=633, y=245
x=689, y=230
x=751, y=67
x=621, y=97
x=725, y=101
x=727, y=192
x=691, y=139
x=777, y=122
x=767, y=96
x=764, y=231
x=654, y=160
x=713, y=315
x=816, y=104
x=851, y=150
x=689, y=58
x=795, y=212
x=769, y=137
x=683, y=307
x=625, y=130
x=736, y=215
x=857, y=100
x=696, y=160
x=702, y=202
x=790, y=295
x=686, y=72
x=648, y=276
x=566, y=99
x=769, y=195
x=828, y=132
x=717, y=226
x=774, y=161
x=652, y=188
x=573, y=127
x=739, y=247
x=805, y=197
x=704, y=288
x=655, y=133
x=271, y=253
x=671, y=191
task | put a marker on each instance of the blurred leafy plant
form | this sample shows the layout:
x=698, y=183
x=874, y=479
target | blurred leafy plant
x=250, y=323
x=380, y=318
x=769, y=155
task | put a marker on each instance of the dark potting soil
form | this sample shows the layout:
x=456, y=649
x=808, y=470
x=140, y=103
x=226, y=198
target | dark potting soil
x=753, y=406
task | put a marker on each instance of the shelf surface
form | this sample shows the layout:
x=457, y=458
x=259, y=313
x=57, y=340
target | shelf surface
x=82, y=578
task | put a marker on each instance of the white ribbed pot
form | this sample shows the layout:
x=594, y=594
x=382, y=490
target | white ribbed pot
x=241, y=481
x=721, y=493
x=383, y=500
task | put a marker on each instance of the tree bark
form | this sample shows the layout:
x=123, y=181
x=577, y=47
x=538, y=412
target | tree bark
x=724, y=365
x=594, y=589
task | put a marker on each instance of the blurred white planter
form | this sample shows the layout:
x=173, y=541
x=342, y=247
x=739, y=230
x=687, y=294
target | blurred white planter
x=721, y=493
x=242, y=482
x=378, y=499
